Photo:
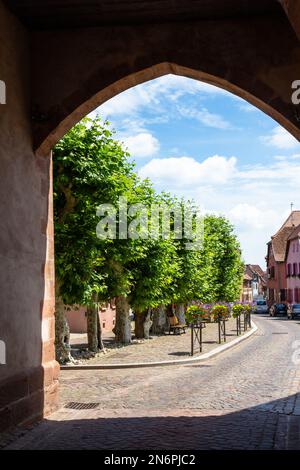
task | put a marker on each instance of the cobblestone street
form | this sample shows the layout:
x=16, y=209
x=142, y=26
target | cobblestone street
x=245, y=398
x=163, y=348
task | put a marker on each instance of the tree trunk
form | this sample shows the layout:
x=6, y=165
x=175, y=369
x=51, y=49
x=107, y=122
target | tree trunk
x=139, y=319
x=160, y=323
x=169, y=310
x=62, y=333
x=180, y=313
x=99, y=333
x=147, y=324
x=143, y=323
x=122, y=330
x=92, y=327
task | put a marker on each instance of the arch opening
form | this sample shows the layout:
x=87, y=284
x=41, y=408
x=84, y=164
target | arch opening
x=87, y=104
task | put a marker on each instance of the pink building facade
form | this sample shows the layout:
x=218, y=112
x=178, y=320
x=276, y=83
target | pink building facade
x=77, y=318
x=293, y=267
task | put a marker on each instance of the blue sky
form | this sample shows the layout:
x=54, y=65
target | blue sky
x=199, y=141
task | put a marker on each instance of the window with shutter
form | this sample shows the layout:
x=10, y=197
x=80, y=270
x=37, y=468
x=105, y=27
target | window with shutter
x=295, y=269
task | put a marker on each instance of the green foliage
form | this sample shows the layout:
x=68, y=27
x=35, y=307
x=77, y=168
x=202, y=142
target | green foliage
x=221, y=264
x=237, y=310
x=92, y=168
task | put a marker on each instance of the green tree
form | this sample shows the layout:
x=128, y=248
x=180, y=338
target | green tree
x=188, y=283
x=221, y=263
x=140, y=270
x=90, y=167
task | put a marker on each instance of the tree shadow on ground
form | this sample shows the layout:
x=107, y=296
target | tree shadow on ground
x=265, y=426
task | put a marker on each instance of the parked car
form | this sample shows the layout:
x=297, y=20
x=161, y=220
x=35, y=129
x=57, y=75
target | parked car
x=293, y=311
x=261, y=306
x=278, y=309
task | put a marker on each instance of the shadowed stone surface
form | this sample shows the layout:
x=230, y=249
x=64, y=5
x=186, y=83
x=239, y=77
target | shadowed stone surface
x=62, y=59
x=247, y=398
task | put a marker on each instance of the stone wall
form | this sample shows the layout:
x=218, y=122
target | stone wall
x=28, y=380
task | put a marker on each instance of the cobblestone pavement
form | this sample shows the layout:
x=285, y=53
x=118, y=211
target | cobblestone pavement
x=245, y=398
x=164, y=348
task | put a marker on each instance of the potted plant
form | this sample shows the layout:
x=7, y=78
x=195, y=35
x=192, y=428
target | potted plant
x=220, y=312
x=195, y=313
x=237, y=310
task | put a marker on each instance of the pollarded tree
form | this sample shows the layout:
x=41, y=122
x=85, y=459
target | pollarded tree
x=221, y=264
x=90, y=168
x=189, y=252
x=140, y=269
x=154, y=282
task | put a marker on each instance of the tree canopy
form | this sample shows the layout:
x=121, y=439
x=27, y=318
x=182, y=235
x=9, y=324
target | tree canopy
x=91, y=168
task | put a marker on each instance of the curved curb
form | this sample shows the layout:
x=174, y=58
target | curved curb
x=133, y=365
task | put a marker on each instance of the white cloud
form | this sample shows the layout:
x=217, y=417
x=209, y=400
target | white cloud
x=142, y=145
x=128, y=102
x=154, y=94
x=280, y=138
x=187, y=172
x=247, y=107
x=205, y=117
x=256, y=216
x=255, y=198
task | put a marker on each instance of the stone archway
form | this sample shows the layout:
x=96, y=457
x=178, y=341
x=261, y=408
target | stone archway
x=150, y=74
x=257, y=59
x=57, y=69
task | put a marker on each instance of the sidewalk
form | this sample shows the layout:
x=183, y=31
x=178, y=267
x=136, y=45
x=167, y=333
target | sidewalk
x=161, y=348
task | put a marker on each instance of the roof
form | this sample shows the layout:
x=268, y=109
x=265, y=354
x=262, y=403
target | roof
x=293, y=220
x=279, y=241
x=295, y=233
x=254, y=268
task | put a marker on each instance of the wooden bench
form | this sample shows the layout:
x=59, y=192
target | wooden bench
x=175, y=326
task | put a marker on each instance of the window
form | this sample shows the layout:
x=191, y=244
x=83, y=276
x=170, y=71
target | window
x=295, y=269
x=271, y=272
x=283, y=295
x=271, y=295
x=290, y=295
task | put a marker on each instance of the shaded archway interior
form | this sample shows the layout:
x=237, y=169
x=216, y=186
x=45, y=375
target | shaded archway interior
x=151, y=73
x=60, y=59
x=76, y=70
